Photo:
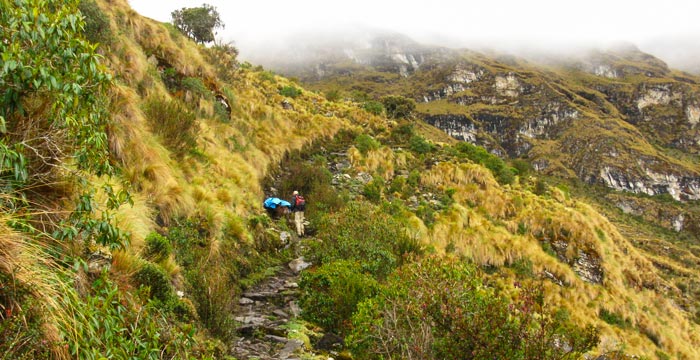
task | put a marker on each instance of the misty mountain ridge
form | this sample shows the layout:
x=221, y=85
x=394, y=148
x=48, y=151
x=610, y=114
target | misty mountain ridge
x=297, y=53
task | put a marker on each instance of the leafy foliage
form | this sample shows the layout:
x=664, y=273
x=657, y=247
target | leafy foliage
x=365, y=143
x=362, y=232
x=398, y=107
x=61, y=89
x=419, y=145
x=290, y=91
x=53, y=105
x=106, y=327
x=440, y=309
x=198, y=23
x=374, y=107
x=503, y=173
x=331, y=292
x=97, y=29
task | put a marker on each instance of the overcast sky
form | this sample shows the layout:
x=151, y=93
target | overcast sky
x=668, y=28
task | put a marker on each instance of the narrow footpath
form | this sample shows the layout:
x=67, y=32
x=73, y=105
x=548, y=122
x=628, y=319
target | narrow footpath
x=264, y=313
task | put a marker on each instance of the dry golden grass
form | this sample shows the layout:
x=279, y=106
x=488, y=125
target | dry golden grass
x=31, y=268
x=483, y=225
x=222, y=184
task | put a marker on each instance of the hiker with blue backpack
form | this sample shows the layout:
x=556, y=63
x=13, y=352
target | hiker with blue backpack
x=298, y=206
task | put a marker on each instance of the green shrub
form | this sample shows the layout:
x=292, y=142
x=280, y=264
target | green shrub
x=174, y=123
x=333, y=95
x=419, y=145
x=197, y=88
x=362, y=232
x=397, y=185
x=331, y=293
x=157, y=247
x=440, y=309
x=97, y=28
x=359, y=96
x=267, y=76
x=521, y=167
x=501, y=171
x=290, y=91
x=373, y=107
x=413, y=178
x=211, y=281
x=373, y=190
x=398, y=107
x=110, y=324
x=613, y=318
x=402, y=133
x=155, y=278
x=365, y=143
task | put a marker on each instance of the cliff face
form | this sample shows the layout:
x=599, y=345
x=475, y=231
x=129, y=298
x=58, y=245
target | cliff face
x=621, y=118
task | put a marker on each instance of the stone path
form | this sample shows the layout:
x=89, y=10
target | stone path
x=263, y=312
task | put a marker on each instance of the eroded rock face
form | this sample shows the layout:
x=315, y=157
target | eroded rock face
x=680, y=187
x=588, y=267
x=443, y=93
x=457, y=126
x=466, y=74
x=657, y=95
x=551, y=115
x=693, y=114
x=508, y=85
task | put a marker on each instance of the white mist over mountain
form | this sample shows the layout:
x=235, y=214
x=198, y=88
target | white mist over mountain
x=668, y=30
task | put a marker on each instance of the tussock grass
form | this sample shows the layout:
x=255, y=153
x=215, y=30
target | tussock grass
x=497, y=226
x=32, y=270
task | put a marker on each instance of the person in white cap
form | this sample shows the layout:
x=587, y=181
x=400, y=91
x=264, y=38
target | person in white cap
x=298, y=206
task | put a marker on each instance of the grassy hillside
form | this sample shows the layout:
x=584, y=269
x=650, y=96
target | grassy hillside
x=145, y=253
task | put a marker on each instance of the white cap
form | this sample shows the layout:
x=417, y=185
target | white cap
x=295, y=192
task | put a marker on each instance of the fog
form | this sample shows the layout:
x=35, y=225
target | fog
x=669, y=29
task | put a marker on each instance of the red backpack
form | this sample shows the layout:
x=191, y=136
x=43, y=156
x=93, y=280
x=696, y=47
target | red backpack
x=299, y=202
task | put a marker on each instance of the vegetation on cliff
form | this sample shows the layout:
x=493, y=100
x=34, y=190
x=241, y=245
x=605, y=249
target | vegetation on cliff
x=133, y=174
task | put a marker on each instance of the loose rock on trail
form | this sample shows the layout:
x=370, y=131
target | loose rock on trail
x=263, y=313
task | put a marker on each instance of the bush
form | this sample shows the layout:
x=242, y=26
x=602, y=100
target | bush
x=111, y=324
x=97, y=28
x=398, y=107
x=402, y=133
x=157, y=247
x=359, y=96
x=155, y=278
x=419, y=145
x=174, y=123
x=197, y=88
x=361, y=232
x=440, y=309
x=290, y=91
x=501, y=171
x=333, y=95
x=373, y=190
x=330, y=294
x=365, y=143
x=373, y=107
x=521, y=167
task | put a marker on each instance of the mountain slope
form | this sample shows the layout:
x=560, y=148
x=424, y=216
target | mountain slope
x=522, y=109
x=200, y=141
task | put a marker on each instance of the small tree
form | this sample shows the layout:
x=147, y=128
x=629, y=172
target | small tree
x=198, y=23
